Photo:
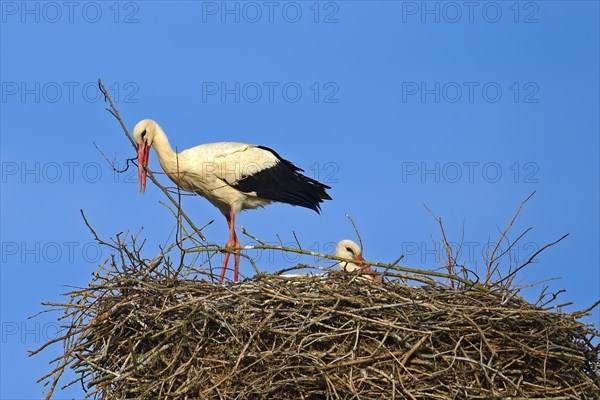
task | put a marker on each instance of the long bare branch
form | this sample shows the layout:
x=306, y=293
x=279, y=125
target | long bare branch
x=113, y=110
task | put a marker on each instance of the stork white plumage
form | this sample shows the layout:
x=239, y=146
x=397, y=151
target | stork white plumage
x=232, y=176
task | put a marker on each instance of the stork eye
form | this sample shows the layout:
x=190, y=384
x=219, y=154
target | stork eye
x=350, y=250
x=143, y=133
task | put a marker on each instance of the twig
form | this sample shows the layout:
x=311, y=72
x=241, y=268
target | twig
x=526, y=263
x=356, y=231
x=492, y=259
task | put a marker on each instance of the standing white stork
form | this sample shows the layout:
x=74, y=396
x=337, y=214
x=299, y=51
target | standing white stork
x=232, y=176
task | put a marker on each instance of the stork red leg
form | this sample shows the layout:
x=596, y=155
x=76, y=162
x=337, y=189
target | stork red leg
x=232, y=242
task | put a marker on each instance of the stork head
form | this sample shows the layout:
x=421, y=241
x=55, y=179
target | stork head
x=348, y=249
x=143, y=134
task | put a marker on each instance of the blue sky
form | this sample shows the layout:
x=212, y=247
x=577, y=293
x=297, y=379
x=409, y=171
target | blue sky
x=464, y=108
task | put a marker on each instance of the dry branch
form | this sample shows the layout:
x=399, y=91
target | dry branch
x=113, y=110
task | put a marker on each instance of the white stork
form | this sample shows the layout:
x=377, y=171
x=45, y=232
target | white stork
x=232, y=176
x=348, y=249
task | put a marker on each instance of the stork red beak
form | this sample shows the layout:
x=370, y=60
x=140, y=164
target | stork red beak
x=366, y=268
x=143, y=155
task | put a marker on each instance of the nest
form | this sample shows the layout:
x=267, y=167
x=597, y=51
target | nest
x=147, y=335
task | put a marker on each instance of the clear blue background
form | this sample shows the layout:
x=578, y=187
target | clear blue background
x=367, y=134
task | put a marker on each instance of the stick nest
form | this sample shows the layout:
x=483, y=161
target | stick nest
x=149, y=336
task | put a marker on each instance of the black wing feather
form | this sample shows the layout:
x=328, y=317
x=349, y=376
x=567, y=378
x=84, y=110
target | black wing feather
x=283, y=182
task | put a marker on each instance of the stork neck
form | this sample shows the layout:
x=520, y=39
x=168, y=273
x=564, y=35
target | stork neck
x=162, y=147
